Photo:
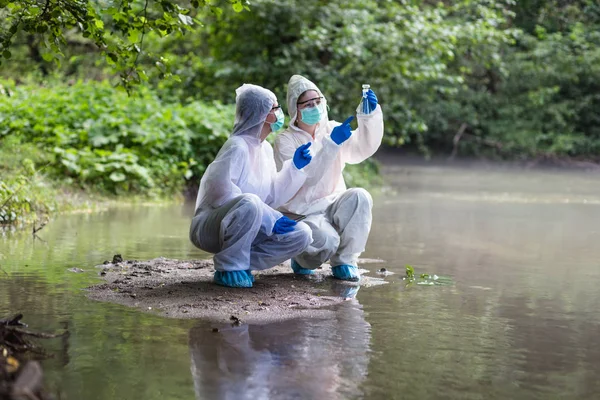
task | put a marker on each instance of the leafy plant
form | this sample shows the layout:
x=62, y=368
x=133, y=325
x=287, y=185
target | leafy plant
x=117, y=29
x=101, y=139
x=423, y=279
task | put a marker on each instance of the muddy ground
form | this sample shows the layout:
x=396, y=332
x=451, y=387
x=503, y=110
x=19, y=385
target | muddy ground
x=184, y=289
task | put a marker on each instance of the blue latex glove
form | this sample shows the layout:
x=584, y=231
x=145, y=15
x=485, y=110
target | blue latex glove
x=302, y=156
x=372, y=100
x=284, y=225
x=342, y=132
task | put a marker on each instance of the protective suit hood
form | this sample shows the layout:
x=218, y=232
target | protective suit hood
x=252, y=105
x=296, y=86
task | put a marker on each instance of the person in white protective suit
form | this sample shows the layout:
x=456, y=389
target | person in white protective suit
x=235, y=217
x=340, y=218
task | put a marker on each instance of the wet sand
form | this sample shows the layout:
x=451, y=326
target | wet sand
x=184, y=289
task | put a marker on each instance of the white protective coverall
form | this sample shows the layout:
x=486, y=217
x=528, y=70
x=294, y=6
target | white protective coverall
x=235, y=207
x=340, y=219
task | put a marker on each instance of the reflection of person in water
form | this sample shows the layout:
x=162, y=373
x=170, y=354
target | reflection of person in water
x=297, y=359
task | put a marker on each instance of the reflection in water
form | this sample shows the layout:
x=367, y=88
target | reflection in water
x=520, y=322
x=297, y=359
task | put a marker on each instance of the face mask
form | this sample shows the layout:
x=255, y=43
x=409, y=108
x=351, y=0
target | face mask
x=277, y=125
x=312, y=115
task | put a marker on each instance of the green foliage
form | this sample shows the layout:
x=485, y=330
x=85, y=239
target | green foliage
x=547, y=105
x=104, y=140
x=24, y=190
x=424, y=279
x=116, y=28
x=365, y=174
x=410, y=272
x=407, y=51
x=512, y=87
x=478, y=77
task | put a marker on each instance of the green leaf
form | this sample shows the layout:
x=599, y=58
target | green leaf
x=48, y=57
x=238, y=7
x=185, y=19
x=134, y=35
x=117, y=176
x=99, y=24
x=6, y=54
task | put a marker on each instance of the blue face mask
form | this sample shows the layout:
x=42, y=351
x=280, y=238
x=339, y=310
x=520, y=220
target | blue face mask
x=312, y=115
x=277, y=125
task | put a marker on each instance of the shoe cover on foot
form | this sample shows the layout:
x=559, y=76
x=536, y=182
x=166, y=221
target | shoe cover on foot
x=237, y=279
x=346, y=272
x=298, y=269
x=250, y=276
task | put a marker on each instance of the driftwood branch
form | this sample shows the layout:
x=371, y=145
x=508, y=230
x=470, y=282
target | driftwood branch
x=36, y=230
x=21, y=378
x=456, y=140
x=13, y=321
x=39, y=335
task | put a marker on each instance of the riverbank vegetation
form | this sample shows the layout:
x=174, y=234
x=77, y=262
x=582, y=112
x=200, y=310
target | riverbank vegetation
x=136, y=99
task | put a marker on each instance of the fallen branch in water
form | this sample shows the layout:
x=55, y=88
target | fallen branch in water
x=20, y=377
x=14, y=321
x=36, y=230
x=456, y=140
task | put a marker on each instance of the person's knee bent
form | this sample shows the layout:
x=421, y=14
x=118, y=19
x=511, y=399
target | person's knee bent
x=332, y=241
x=305, y=238
x=251, y=205
x=193, y=234
x=324, y=237
x=362, y=197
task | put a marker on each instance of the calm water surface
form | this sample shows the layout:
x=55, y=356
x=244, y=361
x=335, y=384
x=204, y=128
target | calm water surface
x=521, y=320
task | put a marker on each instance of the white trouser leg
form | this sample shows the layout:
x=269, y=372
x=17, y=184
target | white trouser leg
x=268, y=251
x=351, y=217
x=229, y=231
x=324, y=244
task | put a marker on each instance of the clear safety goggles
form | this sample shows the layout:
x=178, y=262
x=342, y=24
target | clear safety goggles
x=310, y=103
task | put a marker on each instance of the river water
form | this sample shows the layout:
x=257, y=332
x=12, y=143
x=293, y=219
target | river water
x=520, y=319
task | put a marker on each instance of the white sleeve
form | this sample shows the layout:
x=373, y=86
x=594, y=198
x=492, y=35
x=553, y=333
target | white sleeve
x=366, y=139
x=284, y=150
x=286, y=184
x=220, y=181
x=321, y=161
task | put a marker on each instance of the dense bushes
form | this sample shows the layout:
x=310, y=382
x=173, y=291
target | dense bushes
x=517, y=79
x=24, y=189
x=99, y=138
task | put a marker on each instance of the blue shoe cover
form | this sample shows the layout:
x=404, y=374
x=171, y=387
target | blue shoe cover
x=298, y=269
x=346, y=272
x=236, y=279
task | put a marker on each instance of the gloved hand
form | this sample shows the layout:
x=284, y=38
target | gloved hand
x=372, y=100
x=284, y=225
x=302, y=156
x=342, y=132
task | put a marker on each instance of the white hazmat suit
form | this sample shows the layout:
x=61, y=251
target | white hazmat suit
x=340, y=219
x=235, y=207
